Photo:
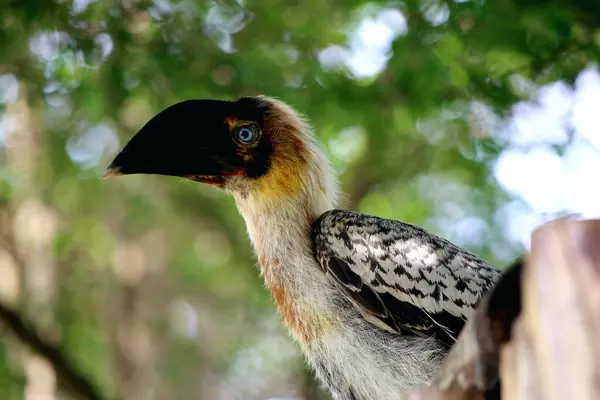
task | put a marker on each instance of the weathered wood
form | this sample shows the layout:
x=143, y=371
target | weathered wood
x=554, y=353
x=471, y=369
x=537, y=330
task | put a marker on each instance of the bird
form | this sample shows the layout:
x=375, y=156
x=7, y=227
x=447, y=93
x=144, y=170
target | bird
x=373, y=303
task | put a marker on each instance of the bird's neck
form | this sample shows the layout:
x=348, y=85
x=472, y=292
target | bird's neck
x=280, y=208
x=280, y=230
x=279, y=226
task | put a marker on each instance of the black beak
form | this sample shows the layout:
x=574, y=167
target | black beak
x=189, y=139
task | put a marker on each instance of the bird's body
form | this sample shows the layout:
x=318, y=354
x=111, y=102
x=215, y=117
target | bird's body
x=373, y=303
x=342, y=347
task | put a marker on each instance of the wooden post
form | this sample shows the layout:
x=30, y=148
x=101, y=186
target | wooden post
x=537, y=330
x=555, y=349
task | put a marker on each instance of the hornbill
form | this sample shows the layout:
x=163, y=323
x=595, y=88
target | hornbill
x=374, y=303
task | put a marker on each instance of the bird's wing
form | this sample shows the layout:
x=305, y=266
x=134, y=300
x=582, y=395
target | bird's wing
x=401, y=277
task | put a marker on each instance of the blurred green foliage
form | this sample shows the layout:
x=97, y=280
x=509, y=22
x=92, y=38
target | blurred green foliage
x=148, y=282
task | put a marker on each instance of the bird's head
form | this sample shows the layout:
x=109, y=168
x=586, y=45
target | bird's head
x=254, y=146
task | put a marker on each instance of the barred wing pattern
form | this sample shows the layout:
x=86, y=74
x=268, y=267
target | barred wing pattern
x=401, y=277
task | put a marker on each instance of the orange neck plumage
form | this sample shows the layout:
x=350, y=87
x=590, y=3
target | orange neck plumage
x=296, y=322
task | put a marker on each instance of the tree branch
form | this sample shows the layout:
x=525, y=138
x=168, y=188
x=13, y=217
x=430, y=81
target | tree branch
x=66, y=371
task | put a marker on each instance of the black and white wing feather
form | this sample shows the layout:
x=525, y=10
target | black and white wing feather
x=401, y=277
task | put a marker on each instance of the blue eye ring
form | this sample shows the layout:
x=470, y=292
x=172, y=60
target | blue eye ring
x=245, y=134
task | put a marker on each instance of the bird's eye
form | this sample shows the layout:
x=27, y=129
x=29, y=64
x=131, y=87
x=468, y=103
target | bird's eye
x=245, y=134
